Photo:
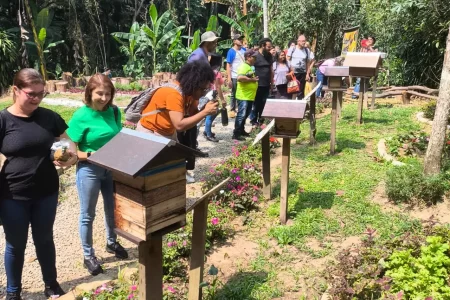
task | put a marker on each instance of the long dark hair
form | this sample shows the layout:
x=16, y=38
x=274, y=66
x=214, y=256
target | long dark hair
x=215, y=61
x=277, y=56
x=194, y=75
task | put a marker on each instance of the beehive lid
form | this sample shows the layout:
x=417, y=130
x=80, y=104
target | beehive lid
x=336, y=71
x=363, y=59
x=131, y=152
x=286, y=109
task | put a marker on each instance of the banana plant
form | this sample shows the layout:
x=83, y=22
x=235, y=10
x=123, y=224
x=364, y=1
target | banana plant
x=161, y=32
x=248, y=25
x=213, y=25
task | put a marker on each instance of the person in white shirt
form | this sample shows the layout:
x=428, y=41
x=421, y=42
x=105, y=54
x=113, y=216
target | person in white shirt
x=235, y=57
x=301, y=60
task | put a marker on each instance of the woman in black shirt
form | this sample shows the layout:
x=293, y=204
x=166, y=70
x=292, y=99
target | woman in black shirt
x=29, y=181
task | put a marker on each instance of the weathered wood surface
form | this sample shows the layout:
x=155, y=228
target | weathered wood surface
x=151, y=269
x=285, y=159
x=334, y=105
x=61, y=86
x=265, y=148
x=153, y=196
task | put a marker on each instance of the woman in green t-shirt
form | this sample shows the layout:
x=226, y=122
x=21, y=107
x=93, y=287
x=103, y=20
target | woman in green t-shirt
x=91, y=127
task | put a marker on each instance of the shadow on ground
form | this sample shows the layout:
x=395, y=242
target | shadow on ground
x=241, y=285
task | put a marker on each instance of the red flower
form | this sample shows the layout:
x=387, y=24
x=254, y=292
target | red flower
x=272, y=139
x=448, y=142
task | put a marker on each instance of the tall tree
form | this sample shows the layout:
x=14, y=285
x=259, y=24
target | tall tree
x=37, y=40
x=433, y=157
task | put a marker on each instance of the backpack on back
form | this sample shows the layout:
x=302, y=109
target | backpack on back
x=133, y=111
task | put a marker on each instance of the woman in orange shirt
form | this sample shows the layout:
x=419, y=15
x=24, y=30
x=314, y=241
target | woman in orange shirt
x=178, y=103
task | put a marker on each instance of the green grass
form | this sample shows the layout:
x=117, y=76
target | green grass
x=328, y=195
x=64, y=111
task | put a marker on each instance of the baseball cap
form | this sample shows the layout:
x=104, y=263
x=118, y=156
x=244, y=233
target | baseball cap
x=208, y=36
x=237, y=36
x=250, y=52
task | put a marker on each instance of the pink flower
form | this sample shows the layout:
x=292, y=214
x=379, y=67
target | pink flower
x=234, y=171
x=170, y=244
x=255, y=199
x=231, y=204
x=130, y=296
x=244, y=148
x=133, y=288
x=236, y=142
x=171, y=289
x=238, y=178
x=236, y=153
x=184, y=243
x=263, y=126
x=255, y=187
x=215, y=221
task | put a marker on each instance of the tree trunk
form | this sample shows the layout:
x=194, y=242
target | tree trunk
x=433, y=157
x=36, y=40
x=265, y=19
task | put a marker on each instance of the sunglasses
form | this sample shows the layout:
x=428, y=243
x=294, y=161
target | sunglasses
x=40, y=95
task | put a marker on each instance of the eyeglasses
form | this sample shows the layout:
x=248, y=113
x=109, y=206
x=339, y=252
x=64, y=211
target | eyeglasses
x=35, y=95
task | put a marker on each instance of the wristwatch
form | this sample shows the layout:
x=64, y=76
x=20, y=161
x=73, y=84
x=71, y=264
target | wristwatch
x=89, y=154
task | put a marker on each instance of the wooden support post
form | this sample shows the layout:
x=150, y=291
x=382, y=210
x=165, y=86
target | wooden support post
x=339, y=104
x=286, y=152
x=334, y=104
x=151, y=269
x=374, y=91
x=198, y=250
x=312, y=119
x=265, y=145
x=361, y=100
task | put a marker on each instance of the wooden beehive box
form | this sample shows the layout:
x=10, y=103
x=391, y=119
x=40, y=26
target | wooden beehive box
x=149, y=175
x=363, y=64
x=334, y=75
x=287, y=115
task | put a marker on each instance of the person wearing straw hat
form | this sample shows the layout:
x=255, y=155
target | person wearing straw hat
x=208, y=44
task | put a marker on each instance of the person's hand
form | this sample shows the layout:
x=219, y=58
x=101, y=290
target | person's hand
x=230, y=83
x=307, y=77
x=211, y=107
x=224, y=104
x=73, y=158
x=256, y=78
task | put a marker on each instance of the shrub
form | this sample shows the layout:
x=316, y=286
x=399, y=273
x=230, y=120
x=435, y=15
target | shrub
x=429, y=109
x=409, y=184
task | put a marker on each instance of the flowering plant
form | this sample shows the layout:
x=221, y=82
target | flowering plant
x=274, y=143
x=111, y=291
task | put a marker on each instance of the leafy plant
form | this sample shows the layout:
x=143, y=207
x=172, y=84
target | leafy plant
x=249, y=25
x=8, y=55
x=423, y=276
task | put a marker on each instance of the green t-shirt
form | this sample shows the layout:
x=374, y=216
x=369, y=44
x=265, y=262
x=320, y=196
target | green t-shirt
x=92, y=129
x=246, y=90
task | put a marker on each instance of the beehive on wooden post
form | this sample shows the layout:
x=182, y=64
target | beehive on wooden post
x=149, y=174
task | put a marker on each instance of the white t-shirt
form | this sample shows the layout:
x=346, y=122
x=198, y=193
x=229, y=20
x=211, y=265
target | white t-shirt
x=299, y=57
x=235, y=59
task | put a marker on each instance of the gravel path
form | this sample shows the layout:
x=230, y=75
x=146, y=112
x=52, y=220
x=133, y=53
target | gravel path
x=68, y=246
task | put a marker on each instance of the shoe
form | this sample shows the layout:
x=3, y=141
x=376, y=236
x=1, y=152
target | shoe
x=53, y=291
x=212, y=134
x=238, y=138
x=117, y=250
x=189, y=178
x=231, y=114
x=212, y=139
x=93, y=265
x=245, y=133
x=13, y=296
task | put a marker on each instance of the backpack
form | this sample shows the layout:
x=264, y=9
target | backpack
x=133, y=111
x=296, y=69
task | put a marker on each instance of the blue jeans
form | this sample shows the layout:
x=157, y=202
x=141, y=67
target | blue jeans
x=233, y=94
x=244, y=110
x=262, y=93
x=16, y=216
x=323, y=79
x=208, y=124
x=92, y=179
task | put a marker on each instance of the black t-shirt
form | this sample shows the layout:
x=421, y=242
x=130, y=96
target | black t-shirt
x=263, y=69
x=29, y=172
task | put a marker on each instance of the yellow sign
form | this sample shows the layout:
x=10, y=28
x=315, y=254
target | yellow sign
x=350, y=40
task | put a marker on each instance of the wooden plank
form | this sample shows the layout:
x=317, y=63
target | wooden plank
x=265, y=149
x=312, y=119
x=130, y=228
x=166, y=208
x=284, y=179
x=152, y=182
x=206, y=196
x=151, y=269
x=134, y=211
x=285, y=126
x=263, y=132
x=374, y=91
x=360, y=101
x=334, y=104
x=340, y=103
x=198, y=251
x=153, y=196
x=163, y=224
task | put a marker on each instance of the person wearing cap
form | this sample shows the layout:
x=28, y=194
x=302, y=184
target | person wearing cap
x=208, y=44
x=247, y=84
x=235, y=58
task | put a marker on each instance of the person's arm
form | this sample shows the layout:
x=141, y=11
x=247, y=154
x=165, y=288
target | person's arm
x=243, y=78
x=231, y=55
x=181, y=123
x=230, y=82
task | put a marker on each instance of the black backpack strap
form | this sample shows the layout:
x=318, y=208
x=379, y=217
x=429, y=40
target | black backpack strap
x=116, y=113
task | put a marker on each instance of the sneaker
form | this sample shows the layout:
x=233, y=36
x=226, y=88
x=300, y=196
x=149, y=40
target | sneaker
x=212, y=134
x=238, y=138
x=245, y=133
x=189, y=178
x=212, y=139
x=13, y=296
x=117, y=250
x=93, y=265
x=53, y=291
